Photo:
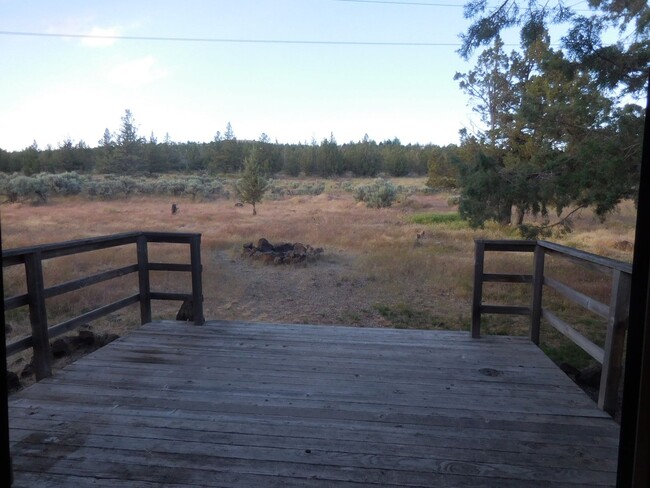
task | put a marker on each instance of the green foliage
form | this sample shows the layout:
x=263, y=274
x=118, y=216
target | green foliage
x=443, y=168
x=26, y=188
x=112, y=187
x=64, y=184
x=364, y=158
x=565, y=351
x=452, y=220
x=124, y=152
x=612, y=63
x=279, y=190
x=128, y=155
x=552, y=140
x=378, y=194
x=403, y=316
x=250, y=188
x=329, y=159
x=486, y=194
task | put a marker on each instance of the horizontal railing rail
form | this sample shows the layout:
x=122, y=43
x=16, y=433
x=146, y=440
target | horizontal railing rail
x=616, y=312
x=32, y=258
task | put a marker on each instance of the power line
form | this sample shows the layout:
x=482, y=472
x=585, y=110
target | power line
x=431, y=4
x=419, y=4
x=228, y=40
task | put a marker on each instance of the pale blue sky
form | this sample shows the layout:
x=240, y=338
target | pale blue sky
x=53, y=88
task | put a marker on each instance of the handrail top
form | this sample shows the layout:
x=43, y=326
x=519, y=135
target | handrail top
x=12, y=256
x=588, y=256
x=529, y=245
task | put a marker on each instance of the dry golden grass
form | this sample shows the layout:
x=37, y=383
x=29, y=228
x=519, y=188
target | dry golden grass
x=374, y=271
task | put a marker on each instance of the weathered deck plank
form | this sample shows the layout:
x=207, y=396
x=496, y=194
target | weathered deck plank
x=232, y=404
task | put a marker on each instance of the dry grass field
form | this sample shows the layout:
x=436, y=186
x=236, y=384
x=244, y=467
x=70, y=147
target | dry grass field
x=374, y=272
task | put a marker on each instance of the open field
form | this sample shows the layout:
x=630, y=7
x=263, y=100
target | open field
x=374, y=272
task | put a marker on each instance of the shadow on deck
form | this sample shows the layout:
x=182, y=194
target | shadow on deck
x=238, y=404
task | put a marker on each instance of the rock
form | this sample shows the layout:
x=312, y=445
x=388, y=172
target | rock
x=61, y=347
x=299, y=249
x=186, y=312
x=285, y=253
x=239, y=204
x=264, y=246
x=570, y=370
x=28, y=370
x=589, y=376
x=13, y=382
x=282, y=248
x=107, y=338
x=86, y=338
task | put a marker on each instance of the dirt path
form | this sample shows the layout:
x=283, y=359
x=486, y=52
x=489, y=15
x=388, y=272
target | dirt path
x=327, y=289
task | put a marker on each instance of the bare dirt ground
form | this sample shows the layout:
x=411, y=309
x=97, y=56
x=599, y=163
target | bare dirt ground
x=327, y=289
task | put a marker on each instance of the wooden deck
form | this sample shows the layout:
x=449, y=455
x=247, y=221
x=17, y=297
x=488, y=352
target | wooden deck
x=235, y=404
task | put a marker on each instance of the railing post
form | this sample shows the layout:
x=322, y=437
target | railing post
x=197, y=283
x=619, y=310
x=538, y=287
x=38, y=315
x=477, y=298
x=143, y=280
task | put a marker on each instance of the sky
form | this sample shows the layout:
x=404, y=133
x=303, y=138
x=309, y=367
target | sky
x=54, y=88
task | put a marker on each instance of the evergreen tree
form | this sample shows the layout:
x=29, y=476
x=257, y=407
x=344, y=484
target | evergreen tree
x=129, y=151
x=547, y=142
x=250, y=188
x=612, y=63
x=105, y=153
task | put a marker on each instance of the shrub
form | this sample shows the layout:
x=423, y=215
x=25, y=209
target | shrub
x=27, y=188
x=105, y=189
x=348, y=186
x=65, y=184
x=380, y=193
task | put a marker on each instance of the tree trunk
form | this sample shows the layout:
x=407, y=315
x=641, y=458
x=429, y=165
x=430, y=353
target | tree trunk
x=505, y=213
x=254, y=211
x=519, y=215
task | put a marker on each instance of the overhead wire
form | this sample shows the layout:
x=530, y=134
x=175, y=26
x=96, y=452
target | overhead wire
x=227, y=40
x=393, y=2
x=410, y=3
x=259, y=41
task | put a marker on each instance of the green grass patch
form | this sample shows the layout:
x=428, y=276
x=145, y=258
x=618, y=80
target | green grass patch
x=567, y=352
x=451, y=220
x=403, y=316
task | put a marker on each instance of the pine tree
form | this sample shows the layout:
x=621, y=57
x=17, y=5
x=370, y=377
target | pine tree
x=250, y=188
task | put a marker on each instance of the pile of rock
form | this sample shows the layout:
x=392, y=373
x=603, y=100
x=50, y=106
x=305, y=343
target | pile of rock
x=63, y=347
x=285, y=253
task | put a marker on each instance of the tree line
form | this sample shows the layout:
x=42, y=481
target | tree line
x=126, y=152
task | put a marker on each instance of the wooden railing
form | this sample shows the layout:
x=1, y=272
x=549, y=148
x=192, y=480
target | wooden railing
x=32, y=258
x=616, y=312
